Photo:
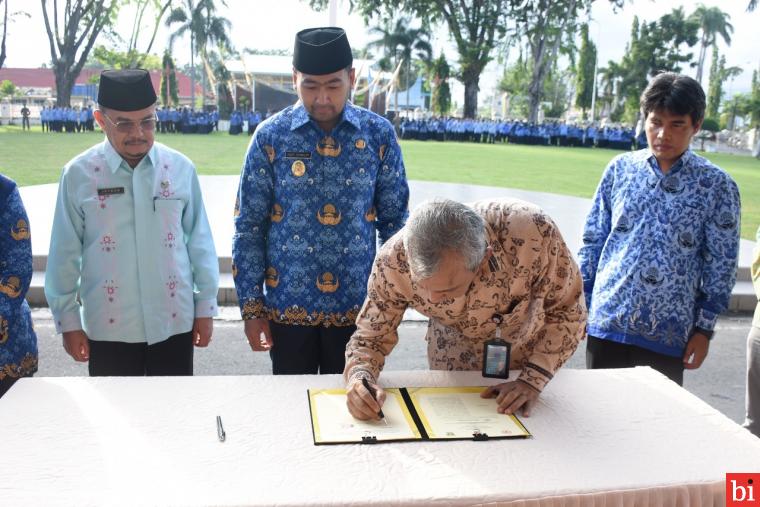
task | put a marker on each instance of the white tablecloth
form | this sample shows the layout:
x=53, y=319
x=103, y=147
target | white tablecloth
x=600, y=438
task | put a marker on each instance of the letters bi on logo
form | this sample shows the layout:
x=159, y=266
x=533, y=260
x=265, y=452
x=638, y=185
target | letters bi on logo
x=743, y=490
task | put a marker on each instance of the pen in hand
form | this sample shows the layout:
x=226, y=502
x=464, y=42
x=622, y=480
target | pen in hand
x=220, y=429
x=374, y=396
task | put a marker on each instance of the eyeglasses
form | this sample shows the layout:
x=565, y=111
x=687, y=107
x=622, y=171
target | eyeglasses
x=127, y=126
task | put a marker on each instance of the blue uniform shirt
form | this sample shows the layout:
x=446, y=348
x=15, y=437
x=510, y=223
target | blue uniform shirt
x=18, y=343
x=660, y=251
x=310, y=207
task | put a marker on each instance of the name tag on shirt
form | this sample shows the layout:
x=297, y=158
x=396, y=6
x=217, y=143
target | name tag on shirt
x=111, y=191
x=298, y=154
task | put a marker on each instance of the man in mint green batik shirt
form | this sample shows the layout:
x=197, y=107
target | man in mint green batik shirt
x=132, y=273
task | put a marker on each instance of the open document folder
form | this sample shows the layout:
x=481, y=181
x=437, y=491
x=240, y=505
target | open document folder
x=413, y=413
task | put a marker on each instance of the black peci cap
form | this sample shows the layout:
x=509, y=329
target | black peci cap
x=320, y=51
x=126, y=90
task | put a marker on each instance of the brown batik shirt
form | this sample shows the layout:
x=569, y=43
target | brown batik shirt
x=531, y=289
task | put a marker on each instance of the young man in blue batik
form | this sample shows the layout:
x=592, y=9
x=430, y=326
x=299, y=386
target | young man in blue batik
x=18, y=342
x=661, y=242
x=321, y=181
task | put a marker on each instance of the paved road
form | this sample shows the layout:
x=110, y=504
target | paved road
x=720, y=381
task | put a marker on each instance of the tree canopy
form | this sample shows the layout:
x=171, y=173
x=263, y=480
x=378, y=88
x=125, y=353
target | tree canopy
x=656, y=46
x=585, y=72
x=72, y=30
x=206, y=29
x=474, y=25
x=712, y=22
x=441, y=97
x=169, y=89
x=401, y=43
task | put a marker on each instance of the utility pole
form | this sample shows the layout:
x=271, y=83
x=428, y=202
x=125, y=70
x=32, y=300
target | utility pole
x=596, y=66
x=333, y=13
x=192, y=72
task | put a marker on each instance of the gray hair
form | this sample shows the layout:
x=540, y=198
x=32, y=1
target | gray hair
x=441, y=225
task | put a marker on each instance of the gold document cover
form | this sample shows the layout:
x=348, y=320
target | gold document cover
x=413, y=413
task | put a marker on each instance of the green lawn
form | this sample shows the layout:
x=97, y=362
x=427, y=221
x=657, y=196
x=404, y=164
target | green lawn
x=33, y=157
x=37, y=157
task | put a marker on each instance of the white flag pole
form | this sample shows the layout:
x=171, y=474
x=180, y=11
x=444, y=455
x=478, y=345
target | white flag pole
x=333, y=13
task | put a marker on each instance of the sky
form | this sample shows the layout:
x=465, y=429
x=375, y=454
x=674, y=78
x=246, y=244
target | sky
x=272, y=24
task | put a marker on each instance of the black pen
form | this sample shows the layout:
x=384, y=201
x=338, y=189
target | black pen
x=374, y=396
x=220, y=429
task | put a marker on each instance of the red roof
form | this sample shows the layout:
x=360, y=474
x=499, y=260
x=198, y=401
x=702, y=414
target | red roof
x=44, y=78
x=29, y=78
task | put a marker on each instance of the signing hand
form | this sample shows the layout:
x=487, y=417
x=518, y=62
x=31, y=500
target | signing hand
x=360, y=402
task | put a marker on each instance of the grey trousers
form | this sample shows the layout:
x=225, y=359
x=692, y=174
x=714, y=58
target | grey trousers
x=752, y=418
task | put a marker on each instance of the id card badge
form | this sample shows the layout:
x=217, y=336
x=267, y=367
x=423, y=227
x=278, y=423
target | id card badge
x=496, y=357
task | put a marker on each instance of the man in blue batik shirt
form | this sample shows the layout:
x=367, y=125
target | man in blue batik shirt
x=321, y=180
x=661, y=242
x=18, y=342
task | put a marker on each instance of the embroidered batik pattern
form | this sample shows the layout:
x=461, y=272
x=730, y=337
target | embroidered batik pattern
x=531, y=290
x=18, y=342
x=659, y=251
x=132, y=256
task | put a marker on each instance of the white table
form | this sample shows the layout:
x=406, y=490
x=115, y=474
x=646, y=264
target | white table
x=601, y=438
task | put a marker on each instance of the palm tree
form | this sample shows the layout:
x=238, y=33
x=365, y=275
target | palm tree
x=222, y=82
x=215, y=34
x=610, y=77
x=403, y=43
x=205, y=29
x=712, y=22
x=184, y=16
x=388, y=41
x=414, y=44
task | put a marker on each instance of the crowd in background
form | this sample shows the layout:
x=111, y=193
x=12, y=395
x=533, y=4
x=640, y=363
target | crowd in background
x=248, y=119
x=187, y=121
x=169, y=120
x=553, y=133
x=67, y=119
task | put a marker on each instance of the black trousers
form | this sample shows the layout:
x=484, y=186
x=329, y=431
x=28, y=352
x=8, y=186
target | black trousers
x=299, y=350
x=602, y=354
x=6, y=384
x=173, y=356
